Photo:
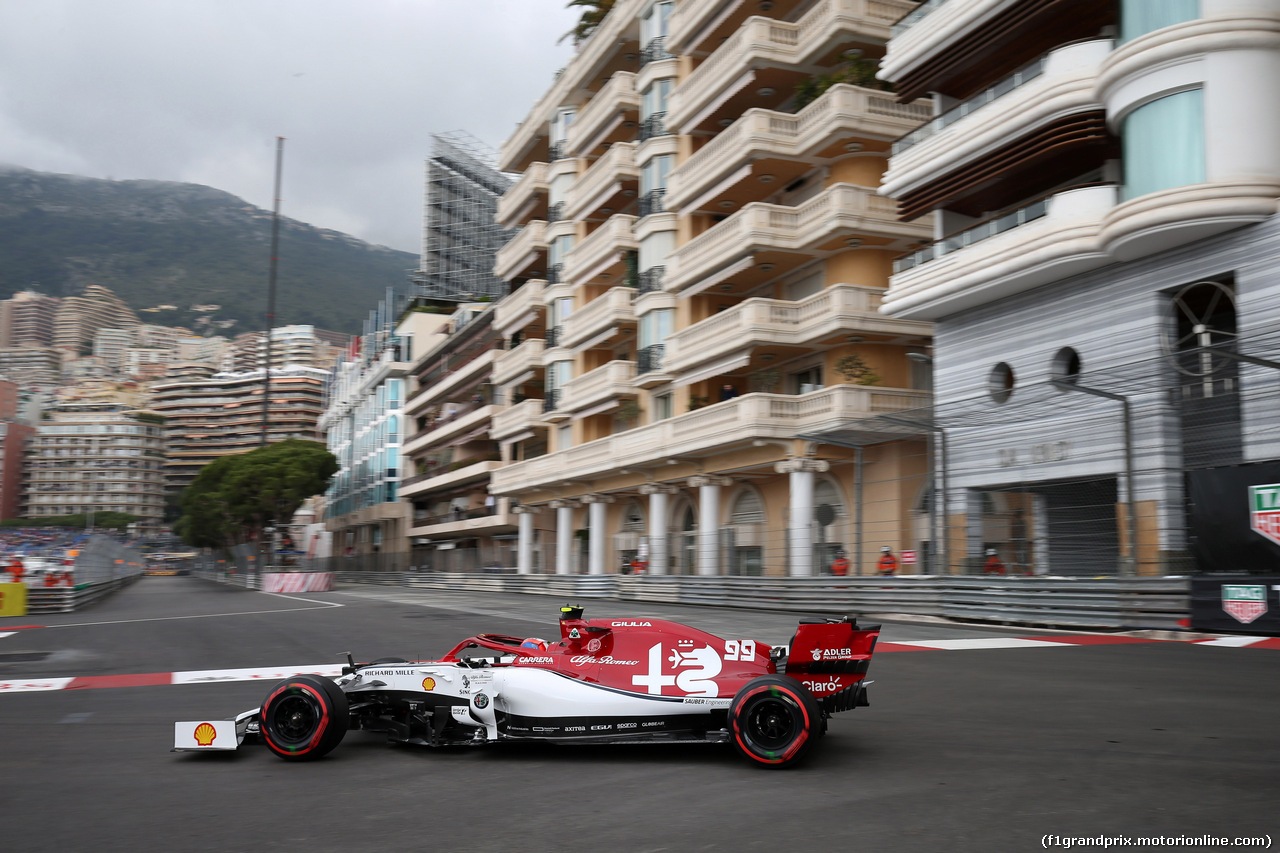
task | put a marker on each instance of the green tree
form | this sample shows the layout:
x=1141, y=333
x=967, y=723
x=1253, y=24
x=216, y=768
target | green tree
x=593, y=13
x=234, y=498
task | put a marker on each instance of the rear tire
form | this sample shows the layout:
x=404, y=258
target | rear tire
x=774, y=721
x=304, y=717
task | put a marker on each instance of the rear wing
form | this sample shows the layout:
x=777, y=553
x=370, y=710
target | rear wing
x=830, y=657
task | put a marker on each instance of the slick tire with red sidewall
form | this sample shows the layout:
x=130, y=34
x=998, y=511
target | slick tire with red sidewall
x=304, y=717
x=774, y=721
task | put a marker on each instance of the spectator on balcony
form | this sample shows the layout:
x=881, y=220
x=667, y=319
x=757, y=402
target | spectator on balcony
x=728, y=392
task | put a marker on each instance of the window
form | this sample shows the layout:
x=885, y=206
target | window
x=656, y=326
x=1164, y=144
x=653, y=24
x=564, y=437
x=653, y=100
x=1000, y=382
x=663, y=406
x=653, y=175
x=1139, y=17
x=807, y=380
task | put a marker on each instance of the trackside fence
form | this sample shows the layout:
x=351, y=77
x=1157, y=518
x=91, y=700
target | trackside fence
x=102, y=566
x=1114, y=603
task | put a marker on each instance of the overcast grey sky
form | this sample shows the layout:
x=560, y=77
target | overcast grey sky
x=198, y=90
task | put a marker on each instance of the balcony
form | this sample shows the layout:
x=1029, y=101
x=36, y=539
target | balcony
x=783, y=237
x=654, y=51
x=414, y=487
x=825, y=318
x=601, y=319
x=519, y=308
x=526, y=198
x=600, y=57
x=769, y=54
x=699, y=26
x=602, y=252
x=465, y=524
x=765, y=142
x=515, y=363
x=1057, y=85
x=458, y=378
x=523, y=417
x=652, y=202
x=525, y=254
x=469, y=419
x=651, y=370
x=714, y=429
x=651, y=279
x=600, y=386
x=654, y=125
x=608, y=185
x=1036, y=244
x=610, y=116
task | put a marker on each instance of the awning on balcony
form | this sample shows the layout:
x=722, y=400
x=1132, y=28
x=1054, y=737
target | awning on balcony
x=715, y=368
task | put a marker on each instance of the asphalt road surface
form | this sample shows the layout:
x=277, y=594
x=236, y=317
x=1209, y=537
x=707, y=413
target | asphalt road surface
x=984, y=749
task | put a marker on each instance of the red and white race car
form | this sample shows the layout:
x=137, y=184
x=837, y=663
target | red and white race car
x=625, y=680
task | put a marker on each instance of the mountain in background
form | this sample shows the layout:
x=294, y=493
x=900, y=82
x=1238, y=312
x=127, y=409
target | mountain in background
x=159, y=243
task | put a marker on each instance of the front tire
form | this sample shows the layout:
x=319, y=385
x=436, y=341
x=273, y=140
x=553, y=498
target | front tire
x=774, y=721
x=304, y=717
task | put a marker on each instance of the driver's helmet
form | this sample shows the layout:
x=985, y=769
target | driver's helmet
x=535, y=643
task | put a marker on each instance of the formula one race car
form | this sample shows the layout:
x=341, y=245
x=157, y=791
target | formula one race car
x=627, y=680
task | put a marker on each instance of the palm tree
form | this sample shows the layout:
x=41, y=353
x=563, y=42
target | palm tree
x=593, y=13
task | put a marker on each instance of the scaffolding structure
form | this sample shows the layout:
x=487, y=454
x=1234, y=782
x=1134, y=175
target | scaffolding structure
x=459, y=235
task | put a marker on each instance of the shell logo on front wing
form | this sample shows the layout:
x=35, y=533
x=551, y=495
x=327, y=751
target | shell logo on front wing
x=205, y=734
x=428, y=684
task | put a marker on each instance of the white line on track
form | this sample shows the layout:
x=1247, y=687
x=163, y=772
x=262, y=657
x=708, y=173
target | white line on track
x=8, y=633
x=321, y=605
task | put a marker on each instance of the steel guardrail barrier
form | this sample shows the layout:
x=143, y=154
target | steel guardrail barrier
x=1115, y=603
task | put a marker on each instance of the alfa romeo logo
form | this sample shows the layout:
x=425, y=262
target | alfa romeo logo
x=1244, y=602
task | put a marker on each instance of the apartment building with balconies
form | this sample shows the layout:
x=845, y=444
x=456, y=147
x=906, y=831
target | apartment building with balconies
x=1103, y=179
x=450, y=454
x=79, y=463
x=365, y=427
x=695, y=297
x=208, y=417
x=79, y=318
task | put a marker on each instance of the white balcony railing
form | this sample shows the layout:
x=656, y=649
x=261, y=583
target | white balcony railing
x=756, y=322
x=839, y=209
x=616, y=102
x=518, y=308
x=511, y=364
x=449, y=384
x=702, y=432
x=602, y=180
x=601, y=249
x=532, y=183
x=521, y=251
x=448, y=428
x=598, y=386
x=456, y=477
x=611, y=310
x=762, y=42
x=1061, y=83
x=522, y=417
x=841, y=111
x=1033, y=245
